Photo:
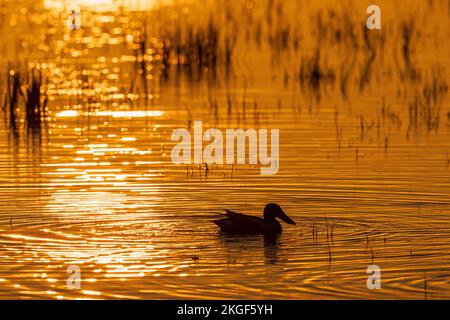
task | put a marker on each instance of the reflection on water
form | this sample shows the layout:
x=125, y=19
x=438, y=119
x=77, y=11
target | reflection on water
x=86, y=172
x=103, y=5
x=234, y=245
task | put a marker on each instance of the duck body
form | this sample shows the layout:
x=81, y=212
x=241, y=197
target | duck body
x=238, y=223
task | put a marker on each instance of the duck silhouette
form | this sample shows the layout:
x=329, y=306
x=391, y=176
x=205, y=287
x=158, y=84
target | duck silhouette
x=239, y=223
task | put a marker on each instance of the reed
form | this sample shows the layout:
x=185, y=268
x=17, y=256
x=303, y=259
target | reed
x=35, y=100
x=330, y=256
x=11, y=99
x=196, y=48
x=425, y=286
x=27, y=86
x=424, y=109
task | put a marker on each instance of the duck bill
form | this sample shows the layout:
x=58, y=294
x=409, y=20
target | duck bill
x=285, y=218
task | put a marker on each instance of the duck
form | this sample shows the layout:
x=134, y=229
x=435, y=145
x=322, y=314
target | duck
x=238, y=223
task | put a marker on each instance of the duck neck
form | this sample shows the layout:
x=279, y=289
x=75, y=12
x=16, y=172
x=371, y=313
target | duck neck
x=269, y=218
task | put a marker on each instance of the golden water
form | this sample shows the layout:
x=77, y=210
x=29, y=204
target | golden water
x=97, y=189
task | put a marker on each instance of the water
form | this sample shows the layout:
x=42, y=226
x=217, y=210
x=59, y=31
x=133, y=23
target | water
x=364, y=162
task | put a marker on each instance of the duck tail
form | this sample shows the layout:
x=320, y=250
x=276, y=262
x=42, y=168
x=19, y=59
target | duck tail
x=218, y=222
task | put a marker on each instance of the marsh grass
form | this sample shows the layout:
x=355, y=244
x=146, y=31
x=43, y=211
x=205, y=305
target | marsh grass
x=425, y=107
x=25, y=99
x=35, y=100
x=11, y=98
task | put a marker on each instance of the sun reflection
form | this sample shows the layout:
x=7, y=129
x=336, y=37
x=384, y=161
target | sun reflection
x=114, y=114
x=87, y=203
x=91, y=292
x=103, y=5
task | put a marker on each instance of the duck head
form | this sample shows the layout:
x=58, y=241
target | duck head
x=272, y=211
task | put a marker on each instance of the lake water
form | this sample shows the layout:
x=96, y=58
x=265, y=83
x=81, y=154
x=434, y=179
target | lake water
x=364, y=120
